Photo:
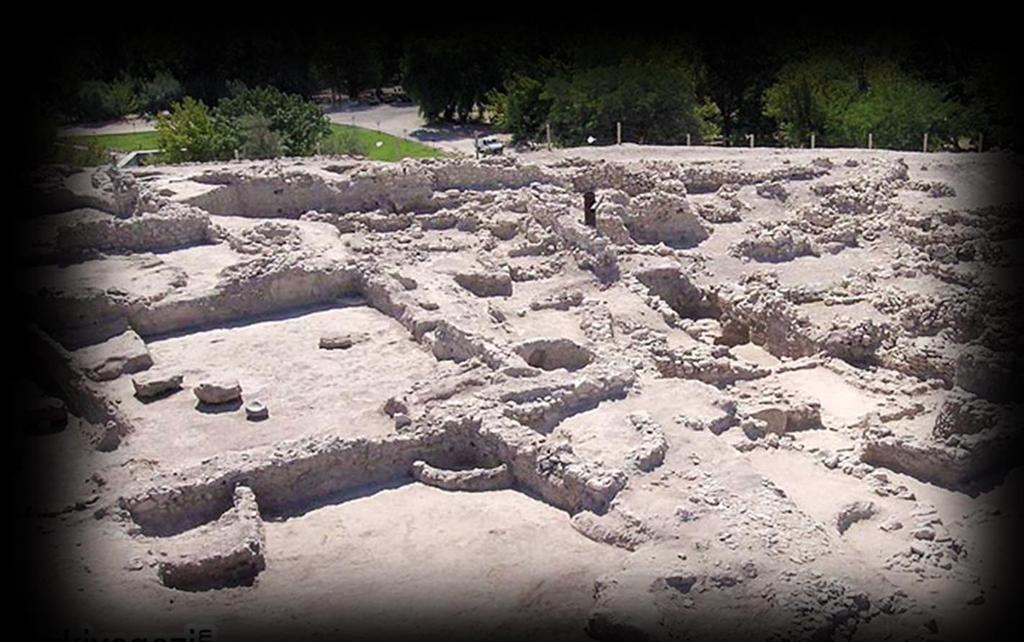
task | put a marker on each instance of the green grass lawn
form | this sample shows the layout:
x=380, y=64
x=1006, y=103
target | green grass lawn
x=120, y=142
x=357, y=141
x=87, y=151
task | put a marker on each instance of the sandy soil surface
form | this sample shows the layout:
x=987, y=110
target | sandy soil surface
x=769, y=394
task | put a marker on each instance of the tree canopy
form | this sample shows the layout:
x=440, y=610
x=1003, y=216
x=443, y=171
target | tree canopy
x=843, y=98
x=259, y=123
x=778, y=81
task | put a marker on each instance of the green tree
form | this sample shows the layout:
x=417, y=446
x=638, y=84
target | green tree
x=95, y=102
x=299, y=123
x=844, y=97
x=450, y=77
x=655, y=100
x=898, y=109
x=521, y=108
x=158, y=93
x=812, y=96
x=191, y=133
x=349, y=65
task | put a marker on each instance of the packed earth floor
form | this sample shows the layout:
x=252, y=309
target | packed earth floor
x=767, y=393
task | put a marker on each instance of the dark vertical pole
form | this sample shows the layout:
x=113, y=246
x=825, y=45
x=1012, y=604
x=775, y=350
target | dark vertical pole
x=589, y=215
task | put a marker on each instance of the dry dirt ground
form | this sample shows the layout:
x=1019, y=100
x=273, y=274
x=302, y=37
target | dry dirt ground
x=770, y=394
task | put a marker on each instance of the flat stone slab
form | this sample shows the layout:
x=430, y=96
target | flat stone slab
x=154, y=383
x=342, y=340
x=125, y=353
x=476, y=479
x=218, y=392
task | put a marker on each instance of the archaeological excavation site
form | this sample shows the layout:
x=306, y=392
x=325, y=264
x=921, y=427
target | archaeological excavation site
x=657, y=393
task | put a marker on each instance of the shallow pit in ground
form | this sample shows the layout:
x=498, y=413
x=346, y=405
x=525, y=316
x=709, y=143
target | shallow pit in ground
x=842, y=403
x=685, y=298
x=278, y=361
x=554, y=354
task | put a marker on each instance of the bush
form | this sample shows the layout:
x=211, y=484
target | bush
x=157, y=94
x=99, y=101
x=191, y=133
x=88, y=154
x=122, y=95
x=710, y=118
x=260, y=141
x=259, y=123
x=299, y=123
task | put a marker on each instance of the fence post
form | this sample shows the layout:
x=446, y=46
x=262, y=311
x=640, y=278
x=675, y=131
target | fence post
x=618, y=132
x=925, y=147
x=812, y=140
x=751, y=137
x=687, y=140
x=871, y=140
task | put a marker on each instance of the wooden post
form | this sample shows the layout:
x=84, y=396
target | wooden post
x=687, y=140
x=618, y=132
x=547, y=127
x=751, y=137
x=871, y=140
x=925, y=147
x=812, y=140
x=237, y=155
x=476, y=145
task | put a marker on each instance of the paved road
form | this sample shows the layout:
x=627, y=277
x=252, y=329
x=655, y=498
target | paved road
x=398, y=120
x=126, y=126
